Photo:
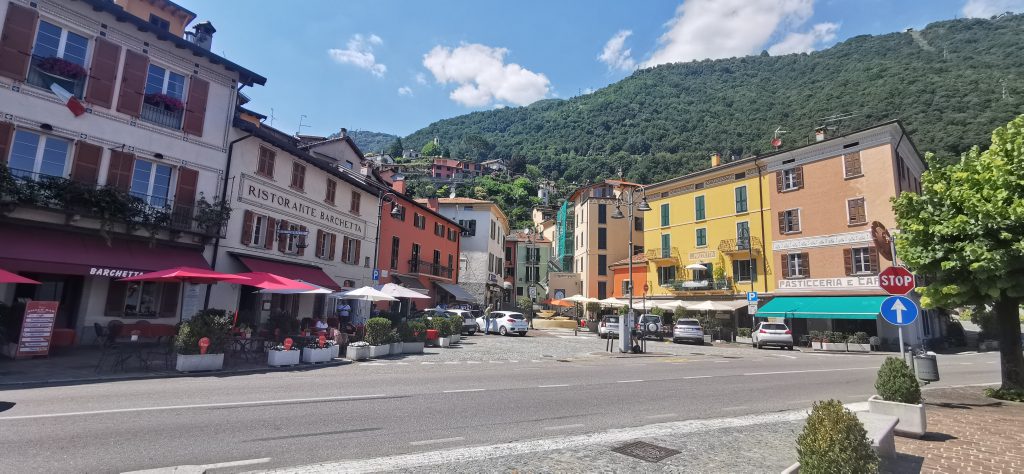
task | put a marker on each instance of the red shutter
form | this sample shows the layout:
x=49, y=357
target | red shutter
x=119, y=173
x=133, y=83
x=195, y=107
x=86, y=167
x=16, y=41
x=6, y=136
x=282, y=239
x=268, y=241
x=848, y=261
x=247, y=227
x=331, y=245
x=185, y=197
x=103, y=72
x=301, y=251
x=169, y=296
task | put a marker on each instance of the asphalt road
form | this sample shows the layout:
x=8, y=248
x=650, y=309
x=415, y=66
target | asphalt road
x=360, y=411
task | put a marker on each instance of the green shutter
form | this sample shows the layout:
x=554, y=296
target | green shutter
x=699, y=207
x=664, y=215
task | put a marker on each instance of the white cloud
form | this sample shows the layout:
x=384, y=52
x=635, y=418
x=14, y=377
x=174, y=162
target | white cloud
x=616, y=55
x=805, y=42
x=483, y=76
x=359, y=53
x=421, y=78
x=990, y=8
x=405, y=90
x=715, y=29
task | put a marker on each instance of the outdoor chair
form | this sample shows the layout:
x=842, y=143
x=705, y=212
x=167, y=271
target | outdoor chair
x=165, y=352
x=108, y=348
x=101, y=334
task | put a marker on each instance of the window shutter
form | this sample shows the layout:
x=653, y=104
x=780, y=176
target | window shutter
x=282, y=239
x=185, y=198
x=798, y=173
x=102, y=73
x=115, y=298
x=169, y=300
x=753, y=270
x=119, y=173
x=848, y=261
x=796, y=221
x=133, y=83
x=301, y=251
x=195, y=106
x=345, y=242
x=247, y=219
x=873, y=257
x=319, y=243
x=86, y=167
x=331, y=245
x=778, y=181
x=16, y=41
x=735, y=270
x=6, y=136
x=358, y=246
x=785, y=265
x=268, y=242
x=805, y=264
x=782, y=222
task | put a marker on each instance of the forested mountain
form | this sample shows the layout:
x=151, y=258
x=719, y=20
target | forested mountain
x=373, y=142
x=951, y=84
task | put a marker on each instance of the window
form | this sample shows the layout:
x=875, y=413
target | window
x=470, y=226
x=159, y=22
x=356, y=201
x=350, y=250
x=638, y=224
x=602, y=238
x=325, y=244
x=54, y=41
x=292, y=240
x=259, y=231
x=419, y=221
x=298, y=177
x=743, y=235
x=401, y=213
x=795, y=265
x=602, y=290
x=666, y=245
x=789, y=221
x=394, y=252
x=664, y=215
x=349, y=165
x=702, y=237
x=602, y=213
x=741, y=199
x=851, y=165
x=602, y=264
x=332, y=186
x=855, y=213
x=144, y=299
x=699, y=210
x=666, y=275
x=265, y=165
x=494, y=230
x=744, y=270
x=415, y=258
x=151, y=182
x=859, y=261
x=164, y=81
x=625, y=288
x=34, y=155
x=437, y=258
x=791, y=179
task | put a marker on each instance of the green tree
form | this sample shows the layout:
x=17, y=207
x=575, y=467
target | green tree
x=431, y=149
x=963, y=233
x=395, y=150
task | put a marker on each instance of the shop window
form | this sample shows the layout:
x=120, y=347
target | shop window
x=151, y=182
x=35, y=155
x=143, y=299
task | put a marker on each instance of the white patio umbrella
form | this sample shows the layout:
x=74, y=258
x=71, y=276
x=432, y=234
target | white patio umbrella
x=710, y=306
x=613, y=302
x=365, y=293
x=695, y=266
x=317, y=290
x=579, y=299
x=674, y=306
x=399, y=291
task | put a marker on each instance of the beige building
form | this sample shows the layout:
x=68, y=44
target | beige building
x=598, y=239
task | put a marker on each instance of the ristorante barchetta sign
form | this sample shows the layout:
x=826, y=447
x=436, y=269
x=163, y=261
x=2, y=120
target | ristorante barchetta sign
x=256, y=192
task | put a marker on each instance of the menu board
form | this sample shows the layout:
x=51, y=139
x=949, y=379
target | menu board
x=37, y=328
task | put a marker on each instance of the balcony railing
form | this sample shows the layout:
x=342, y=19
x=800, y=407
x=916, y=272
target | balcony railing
x=666, y=253
x=747, y=244
x=40, y=78
x=700, y=285
x=160, y=116
x=424, y=267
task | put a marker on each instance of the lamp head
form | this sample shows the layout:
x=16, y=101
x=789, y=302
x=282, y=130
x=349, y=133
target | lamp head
x=396, y=211
x=644, y=205
x=618, y=213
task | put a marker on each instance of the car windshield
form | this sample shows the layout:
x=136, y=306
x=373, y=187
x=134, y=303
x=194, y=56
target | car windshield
x=650, y=318
x=611, y=319
x=774, y=327
x=687, y=322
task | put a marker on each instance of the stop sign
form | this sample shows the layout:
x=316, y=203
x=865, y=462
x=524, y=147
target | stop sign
x=896, y=280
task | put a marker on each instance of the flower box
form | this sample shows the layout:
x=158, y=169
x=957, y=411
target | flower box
x=744, y=340
x=456, y=338
x=412, y=347
x=816, y=345
x=380, y=351
x=282, y=358
x=857, y=347
x=913, y=422
x=199, y=362
x=358, y=352
x=312, y=355
x=395, y=348
x=833, y=346
x=444, y=342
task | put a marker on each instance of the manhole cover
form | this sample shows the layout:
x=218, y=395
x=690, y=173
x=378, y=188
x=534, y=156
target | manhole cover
x=645, y=451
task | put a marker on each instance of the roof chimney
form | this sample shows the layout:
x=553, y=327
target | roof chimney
x=820, y=134
x=433, y=204
x=202, y=35
x=398, y=183
x=716, y=159
x=343, y=132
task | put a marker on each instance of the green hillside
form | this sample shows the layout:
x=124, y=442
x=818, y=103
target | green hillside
x=371, y=142
x=951, y=84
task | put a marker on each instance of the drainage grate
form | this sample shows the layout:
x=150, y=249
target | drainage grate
x=645, y=451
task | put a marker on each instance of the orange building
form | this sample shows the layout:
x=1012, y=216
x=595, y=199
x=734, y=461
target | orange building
x=620, y=277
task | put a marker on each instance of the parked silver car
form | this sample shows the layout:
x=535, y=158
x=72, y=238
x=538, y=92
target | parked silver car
x=772, y=334
x=608, y=327
x=688, y=330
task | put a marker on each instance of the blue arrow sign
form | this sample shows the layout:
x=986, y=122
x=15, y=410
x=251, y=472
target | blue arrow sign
x=751, y=297
x=899, y=310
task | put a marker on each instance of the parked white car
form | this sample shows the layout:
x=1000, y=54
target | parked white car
x=504, y=323
x=772, y=334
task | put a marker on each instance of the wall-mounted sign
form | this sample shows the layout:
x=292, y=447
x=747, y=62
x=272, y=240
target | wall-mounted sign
x=256, y=192
x=113, y=272
x=822, y=241
x=703, y=255
x=826, y=284
x=37, y=328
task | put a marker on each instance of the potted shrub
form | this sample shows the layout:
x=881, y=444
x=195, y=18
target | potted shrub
x=455, y=326
x=277, y=356
x=314, y=353
x=834, y=341
x=816, y=338
x=359, y=350
x=834, y=440
x=413, y=335
x=858, y=342
x=899, y=395
x=394, y=343
x=213, y=324
x=743, y=336
x=444, y=331
x=377, y=331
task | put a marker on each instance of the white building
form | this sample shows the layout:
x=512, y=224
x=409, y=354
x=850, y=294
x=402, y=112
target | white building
x=149, y=144
x=482, y=250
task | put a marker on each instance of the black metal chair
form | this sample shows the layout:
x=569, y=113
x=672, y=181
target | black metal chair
x=166, y=352
x=101, y=334
x=108, y=347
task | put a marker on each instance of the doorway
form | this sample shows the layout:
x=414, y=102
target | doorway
x=65, y=289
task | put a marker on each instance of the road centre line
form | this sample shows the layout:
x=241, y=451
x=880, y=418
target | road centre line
x=629, y=381
x=665, y=415
x=199, y=405
x=810, y=371
x=202, y=467
x=564, y=427
x=465, y=390
x=699, y=377
x=436, y=441
x=552, y=386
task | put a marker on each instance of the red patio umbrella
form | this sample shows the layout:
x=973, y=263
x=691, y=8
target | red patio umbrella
x=8, y=277
x=270, y=281
x=199, y=276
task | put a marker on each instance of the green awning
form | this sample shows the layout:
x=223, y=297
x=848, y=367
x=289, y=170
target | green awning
x=822, y=307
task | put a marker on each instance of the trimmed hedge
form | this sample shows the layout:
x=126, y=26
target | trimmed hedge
x=834, y=441
x=377, y=331
x=897, y=383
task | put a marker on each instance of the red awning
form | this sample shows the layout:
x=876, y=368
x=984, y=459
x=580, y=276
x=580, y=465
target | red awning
x=306, y=273
x=35, y=249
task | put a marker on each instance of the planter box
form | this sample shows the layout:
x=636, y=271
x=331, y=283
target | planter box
x=281, y=358
x=380, y=351
x=412, y=347
x=395, y=348
x=335, y=351
x=913, y=422
x=833, y=346
x=816, y=345
x=358, y=353
x=707, y=339
x=444, y=342
x=315, y=356
x=855, y=347
x=744, y=340
x=456, y=338
x=199, y=362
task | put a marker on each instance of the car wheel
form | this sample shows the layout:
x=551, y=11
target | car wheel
x=503, y=331
x=472, y=332
x=790, y=348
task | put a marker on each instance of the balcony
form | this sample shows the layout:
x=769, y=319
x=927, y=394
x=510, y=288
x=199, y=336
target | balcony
x=532, y=261
x=424, y=267
x=663, y=255
x=161, y=116
x=750, y=244
x=47, y=71
x=724, y=284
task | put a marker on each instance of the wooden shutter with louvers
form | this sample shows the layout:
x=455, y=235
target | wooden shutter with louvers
x=119, y=173
x=798, y=176
x=301, y=251
x=115, y=298
x=345, y=242
x=195, y=106
x=6, y=138
x=271, y=231
x=86, y=167
x=785, y=265
x=330, y=246
x=851, y=163
x=319, y=243
x=247, y=227
x=133, y=83
x=103, y=72
x=848, y=261
x=778, y=181
x=185, y=198
x=873, y=259
x=169, y=297
x=805, y=265
x=282, y=239
x=16, y=41
x=782, y=222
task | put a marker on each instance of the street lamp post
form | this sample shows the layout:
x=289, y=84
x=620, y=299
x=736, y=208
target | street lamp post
x=396, y=211
x=628, y=198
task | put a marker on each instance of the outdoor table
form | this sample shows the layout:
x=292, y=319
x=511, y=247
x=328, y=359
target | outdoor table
x=247, y=346
x=128, y=350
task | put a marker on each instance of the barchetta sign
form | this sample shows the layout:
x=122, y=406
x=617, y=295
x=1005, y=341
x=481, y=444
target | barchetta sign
x=256, y=192
x=113, y=272
x=825, y=284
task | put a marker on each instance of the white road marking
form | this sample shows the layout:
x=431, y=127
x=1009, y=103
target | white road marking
x=496, y=361
x=200, y=467
x=783, y=355
x=401, y=363
x=534, y=360
x=200, y=405
x=436, y=441
x=809, y=371
x=966, y=363
x=552, y=386
x=564, y=427
x=666, y=415
x=426, y=363
x=465, y=390
x=513, y=361
x=629, y=381
x=451, y=362
x=699, y=377
x=472, y=362
x=720, y=361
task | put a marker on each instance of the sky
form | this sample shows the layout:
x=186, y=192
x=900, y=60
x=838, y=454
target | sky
x=396, y=66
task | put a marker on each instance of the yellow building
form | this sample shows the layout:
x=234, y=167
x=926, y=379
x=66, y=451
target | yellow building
x=718, y=219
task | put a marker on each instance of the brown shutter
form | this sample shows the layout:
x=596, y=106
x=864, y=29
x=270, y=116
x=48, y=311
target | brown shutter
x=169, y=297
x=282, y=239
x=247, y=227
x=115, y=298
x=782, y=222
x=334, y=243
x=271, y=232
x=119, y=173
x=355, y=257
x=799, y=175
x=785, y=265
x=86, y=167
x=796, y=221
x=345, y=242
x=102, y=73
x=301, y=251
x=133, y=83
x=319, y=243
x=778, y=181
x=873, y=257
x=16, y=41
x=6, y=137
x=805, y=264
x=185, y=197
x=848, y=261
x=195, y=107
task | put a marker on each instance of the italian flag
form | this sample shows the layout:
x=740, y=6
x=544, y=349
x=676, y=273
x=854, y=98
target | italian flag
x=69, y=99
